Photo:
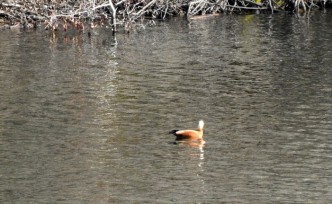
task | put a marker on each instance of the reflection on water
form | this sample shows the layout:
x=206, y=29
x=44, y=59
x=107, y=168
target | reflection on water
x=83, y=120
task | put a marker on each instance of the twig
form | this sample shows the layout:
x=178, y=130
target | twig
x=139, y=13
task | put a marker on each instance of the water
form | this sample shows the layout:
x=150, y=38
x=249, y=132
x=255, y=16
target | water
x=83, y=120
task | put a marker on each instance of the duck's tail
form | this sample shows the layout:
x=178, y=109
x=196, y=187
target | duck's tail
x=173, y=132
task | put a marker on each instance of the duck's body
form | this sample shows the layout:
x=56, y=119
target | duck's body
x=190, y=134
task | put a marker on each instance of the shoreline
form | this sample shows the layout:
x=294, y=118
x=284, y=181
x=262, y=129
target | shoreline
x=81, y=15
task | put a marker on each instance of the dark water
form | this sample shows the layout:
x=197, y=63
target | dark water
x=85, y=121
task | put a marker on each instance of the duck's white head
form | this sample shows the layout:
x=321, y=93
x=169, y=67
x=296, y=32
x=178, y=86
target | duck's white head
x=201, y=124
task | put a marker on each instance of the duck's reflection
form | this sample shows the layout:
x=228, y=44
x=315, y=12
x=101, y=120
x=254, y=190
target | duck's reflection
x=191, y=143
x=197, y=155
x=200, y=173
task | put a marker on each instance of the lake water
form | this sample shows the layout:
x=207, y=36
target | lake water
x=86, y=120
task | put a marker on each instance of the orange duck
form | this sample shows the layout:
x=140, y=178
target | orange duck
x=190, y=134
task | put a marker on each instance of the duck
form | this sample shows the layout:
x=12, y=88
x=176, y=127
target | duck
x=189, y=134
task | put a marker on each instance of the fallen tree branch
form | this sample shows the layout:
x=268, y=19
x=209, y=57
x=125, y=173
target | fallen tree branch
x=249, y=8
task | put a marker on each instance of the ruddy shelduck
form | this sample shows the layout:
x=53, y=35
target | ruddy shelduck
x=190, y=134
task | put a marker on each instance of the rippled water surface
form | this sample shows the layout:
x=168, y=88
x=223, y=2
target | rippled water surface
x=83, y=120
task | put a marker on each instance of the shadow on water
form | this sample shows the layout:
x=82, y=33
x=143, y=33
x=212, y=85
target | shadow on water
x=85, y=120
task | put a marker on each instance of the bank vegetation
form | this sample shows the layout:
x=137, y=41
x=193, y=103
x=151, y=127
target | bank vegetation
x=128, y=14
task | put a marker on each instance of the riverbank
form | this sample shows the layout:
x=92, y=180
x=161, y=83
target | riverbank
x=66, y=14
